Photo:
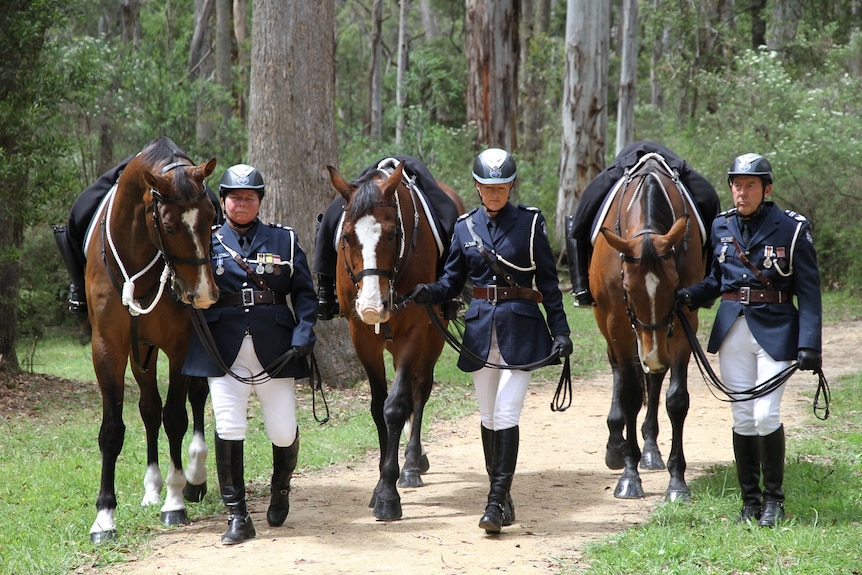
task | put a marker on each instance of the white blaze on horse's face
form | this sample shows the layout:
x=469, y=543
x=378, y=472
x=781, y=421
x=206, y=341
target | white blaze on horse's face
x=647, y=342
x=369, y=301
x=201, y=294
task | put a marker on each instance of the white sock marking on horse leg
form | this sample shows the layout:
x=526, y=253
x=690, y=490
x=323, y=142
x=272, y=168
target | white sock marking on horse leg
x=152, y=486
x=196, y=470
x=174, y=497
x=104, y=521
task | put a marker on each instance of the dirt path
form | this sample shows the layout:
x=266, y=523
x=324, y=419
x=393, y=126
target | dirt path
x=562, y=490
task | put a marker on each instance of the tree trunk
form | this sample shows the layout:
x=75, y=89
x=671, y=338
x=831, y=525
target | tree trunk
x=291, y=100
x=200, y=66
x=400, y=89
x=240, y=34
x=628, y=76
x=758, y=24
x=224, y=60
x=375, y=73
x=429, y=20
x=782, y=26
x=492, y=46
x=536, y=19
x=584, y=107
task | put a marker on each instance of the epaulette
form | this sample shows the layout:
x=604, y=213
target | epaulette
x=728, y=213
x=279, y=226
x=796, y=216
x=528, y=208
x=468, y=214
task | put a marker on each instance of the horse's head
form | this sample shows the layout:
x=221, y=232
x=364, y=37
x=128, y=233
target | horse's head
x=371, y=241
x=650, y=278
x=180, y=215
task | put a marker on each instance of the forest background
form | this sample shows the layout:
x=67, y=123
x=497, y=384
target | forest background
x=291, y=86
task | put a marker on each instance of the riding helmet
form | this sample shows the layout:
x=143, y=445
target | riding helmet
x=750, y=165
x=494, y=166
x=241, y=177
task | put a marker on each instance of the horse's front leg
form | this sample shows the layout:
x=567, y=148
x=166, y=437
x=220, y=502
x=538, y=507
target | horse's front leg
x=150, y=408
x=651, y=458
x=196, y=470
x=111, y=437
x=375, y=368
x=677, y=402
x=629, y=399
x=415, y=460
x=616, y=421
x=176, y=421
x=396, y=410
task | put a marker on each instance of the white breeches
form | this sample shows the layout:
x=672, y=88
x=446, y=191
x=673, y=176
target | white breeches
x=500, y=392
x=745, y=363
x=230, y=399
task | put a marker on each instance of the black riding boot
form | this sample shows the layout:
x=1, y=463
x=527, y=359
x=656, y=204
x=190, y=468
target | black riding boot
x=746, y=449
x=75, y=265
x=283, y=464
x=230, y=469
x=578, y=253
x=488, y=445
x=772, y=458
x=327, y=303
x=502, y=472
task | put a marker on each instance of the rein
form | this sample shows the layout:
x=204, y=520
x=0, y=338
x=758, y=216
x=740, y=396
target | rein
x=714, y=383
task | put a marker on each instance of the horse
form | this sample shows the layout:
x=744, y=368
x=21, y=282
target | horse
x=154, y=226
x=644, y=251
x=386, y=248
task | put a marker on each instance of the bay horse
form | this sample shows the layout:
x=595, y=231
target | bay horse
x=650, y=244
x=151, y=229
x=387, y=246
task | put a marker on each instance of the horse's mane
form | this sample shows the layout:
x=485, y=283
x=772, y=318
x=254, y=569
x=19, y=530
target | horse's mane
x=163, y=151
x=365, y=197
x=658, y=216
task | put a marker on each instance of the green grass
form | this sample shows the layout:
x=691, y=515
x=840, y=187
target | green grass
x=51, y=463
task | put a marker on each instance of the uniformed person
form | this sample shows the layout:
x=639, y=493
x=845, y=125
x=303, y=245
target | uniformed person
x=257, y=268
x=763, y=256
x=580, y=224
x=504, y=251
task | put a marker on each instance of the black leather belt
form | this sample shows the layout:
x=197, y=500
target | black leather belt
x=747, y=296
x=250, y=297
x=499, y=293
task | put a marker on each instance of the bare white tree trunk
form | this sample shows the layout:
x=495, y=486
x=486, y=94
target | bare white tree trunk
x=628, y=76
x=584, y=106
x=429, y=20
x=400, y=89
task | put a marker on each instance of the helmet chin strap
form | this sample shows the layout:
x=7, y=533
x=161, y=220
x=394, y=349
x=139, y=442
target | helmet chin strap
x=238, y=226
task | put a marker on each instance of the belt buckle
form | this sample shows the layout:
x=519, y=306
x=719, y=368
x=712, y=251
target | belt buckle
x=745, y=295
x=247, y=297
x=491, y=299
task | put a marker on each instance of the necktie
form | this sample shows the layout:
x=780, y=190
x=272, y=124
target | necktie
x=244, y=243
x=746, y=233
x=492, y=227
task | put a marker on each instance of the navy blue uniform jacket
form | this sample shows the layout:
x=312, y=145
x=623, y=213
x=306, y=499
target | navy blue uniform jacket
x=524, y=251
x=274, y=328
x=783, y=238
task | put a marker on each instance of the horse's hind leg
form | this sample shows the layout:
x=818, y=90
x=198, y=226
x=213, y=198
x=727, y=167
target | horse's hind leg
x=651, y=458
x=415, y=461
x=196, y=471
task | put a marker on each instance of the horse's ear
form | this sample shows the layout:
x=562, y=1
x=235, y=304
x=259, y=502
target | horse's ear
x=205, y=170
x=154, y=182
x=617, y=242
x=676, y=232
x=394, y=180
x=340, y=184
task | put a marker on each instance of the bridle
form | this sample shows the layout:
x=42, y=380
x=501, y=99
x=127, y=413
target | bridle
x=636, y=322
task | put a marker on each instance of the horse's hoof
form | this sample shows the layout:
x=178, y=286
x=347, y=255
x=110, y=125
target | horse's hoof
x=194, y=493
x=100, y=537
x=410, y=479
x=629, y=488
x=651, y=461
x=387, y=510
x=373, y=502
x=614, y=459
x=424, y=465
x=176, y=517
x=683, y=496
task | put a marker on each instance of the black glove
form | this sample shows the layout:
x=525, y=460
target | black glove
x=563, y=345
x=421, y=294
x=302, y=350
x=682, y=297
x=809, y=359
